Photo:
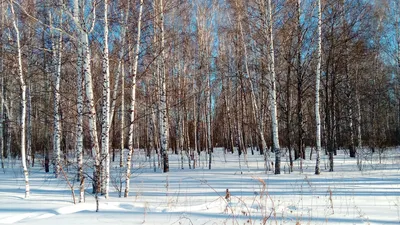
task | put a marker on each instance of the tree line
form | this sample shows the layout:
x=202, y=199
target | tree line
x=83, y=78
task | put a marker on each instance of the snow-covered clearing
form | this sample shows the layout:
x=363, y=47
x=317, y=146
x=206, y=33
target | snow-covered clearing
x=346, y=196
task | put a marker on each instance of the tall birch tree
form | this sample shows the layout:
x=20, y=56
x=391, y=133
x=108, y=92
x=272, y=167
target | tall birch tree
x=272, y=88
x=317, y=88
x=79, y=107
x=105, y=138
x=57, y=53
x=133, y=102
x=163, y=95
x=83, y=38
x=23, y=99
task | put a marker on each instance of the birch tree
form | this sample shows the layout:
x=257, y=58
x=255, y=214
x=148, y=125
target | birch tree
x=133, y=102
x=317, y=87
x=83, y=38
x=23, y=99
x=272, y=88
x=163, y=95
x=29, y=152
x=79, y=107
x=57, y=50
x=105, y=138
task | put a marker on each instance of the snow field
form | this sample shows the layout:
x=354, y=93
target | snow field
x=346, y=196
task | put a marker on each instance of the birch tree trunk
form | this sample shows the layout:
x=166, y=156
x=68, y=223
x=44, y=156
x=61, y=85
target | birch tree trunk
x=23, y=101
x=57, y=50
x=156, y=83
x=122, y=128
x=163, y=97
x=83, y=34
x=133, y=102
x=30, y=154
x=273, y=104
x=79, y=124
x=180, y=108
x=91, y=109
x=105, y=138
x=317, y=87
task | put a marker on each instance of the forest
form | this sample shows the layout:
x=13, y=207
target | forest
x=83, y=80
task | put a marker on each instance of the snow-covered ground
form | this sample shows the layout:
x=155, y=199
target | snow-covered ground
x=346, y=196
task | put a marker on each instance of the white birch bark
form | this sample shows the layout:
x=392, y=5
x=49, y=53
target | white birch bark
x=122, y=128
x=273, y=104
x=57, y=50
x=30, y=157
x=105, y=138
x=133, y=102
x=79, y=128
x=91, y=106
x=88, y=86
x=83, y=34
x=156, y=83
x=317, y=88
x=163, y=97
x=79, y=125
x=23, y=101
